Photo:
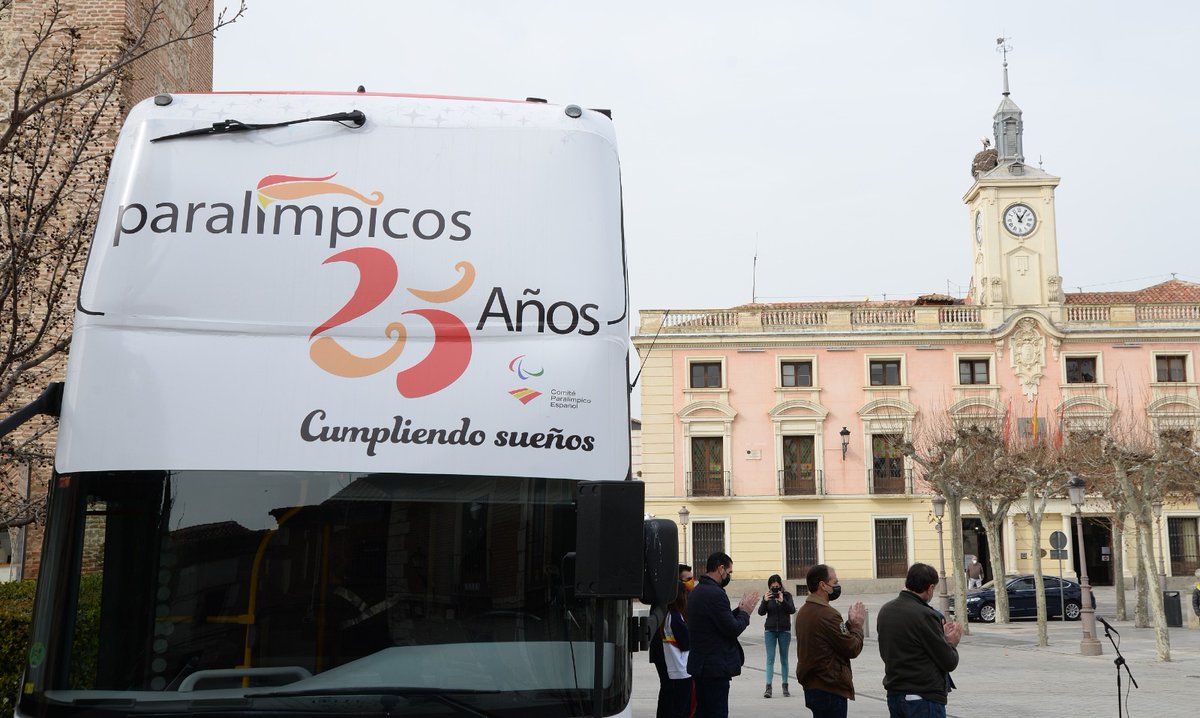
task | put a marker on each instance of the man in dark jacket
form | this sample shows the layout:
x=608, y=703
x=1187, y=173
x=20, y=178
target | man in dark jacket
x=825, y=645
x=716, y=656
x=918, y=647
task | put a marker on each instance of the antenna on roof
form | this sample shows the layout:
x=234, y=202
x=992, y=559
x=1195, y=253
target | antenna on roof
x=754, y=273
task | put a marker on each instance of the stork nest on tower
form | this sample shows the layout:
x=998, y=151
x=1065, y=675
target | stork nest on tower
x=984, y=161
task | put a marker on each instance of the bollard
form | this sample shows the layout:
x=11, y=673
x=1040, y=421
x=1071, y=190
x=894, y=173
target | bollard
x=867, y=624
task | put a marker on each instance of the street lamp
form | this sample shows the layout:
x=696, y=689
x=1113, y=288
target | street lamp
x=1089, y=645
x=845, y=434
x=683, y=521
x=939, y=510
x=1162, y=571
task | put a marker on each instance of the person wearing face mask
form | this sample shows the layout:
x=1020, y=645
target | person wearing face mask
x=918, y=647
x=716, y=656
x=778, y=607
x=658, y=655
x=825, y=645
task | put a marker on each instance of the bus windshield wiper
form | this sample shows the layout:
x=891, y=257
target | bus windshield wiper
x=355, y=117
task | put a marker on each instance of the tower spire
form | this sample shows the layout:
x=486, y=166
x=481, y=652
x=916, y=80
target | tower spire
x=1007, y=124
x=1003, y=47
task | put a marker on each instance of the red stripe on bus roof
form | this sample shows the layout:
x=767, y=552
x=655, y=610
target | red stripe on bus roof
x=362, y=94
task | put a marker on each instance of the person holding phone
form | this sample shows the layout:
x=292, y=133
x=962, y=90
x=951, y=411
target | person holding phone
x=778, y=607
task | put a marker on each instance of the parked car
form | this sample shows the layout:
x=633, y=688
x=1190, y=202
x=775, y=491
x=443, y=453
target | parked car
x=1022, y=600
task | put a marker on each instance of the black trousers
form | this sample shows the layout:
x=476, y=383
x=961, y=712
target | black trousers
x=712, y=697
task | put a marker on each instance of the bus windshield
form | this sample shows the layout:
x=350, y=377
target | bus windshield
x=403, y=594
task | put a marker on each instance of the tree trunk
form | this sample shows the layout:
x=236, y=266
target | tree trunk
x=1141, y=613
x=996, y=559
x=1034, y=516
x=954, y=512
x=1118, y=524
x=1162, y=638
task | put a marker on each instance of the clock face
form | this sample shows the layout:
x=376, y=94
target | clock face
x=1020, y=220
x=978, y=227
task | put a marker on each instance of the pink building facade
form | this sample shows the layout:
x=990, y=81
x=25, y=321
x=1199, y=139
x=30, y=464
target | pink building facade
x=771, y=427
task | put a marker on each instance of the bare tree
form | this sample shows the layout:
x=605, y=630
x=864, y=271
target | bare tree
x=993, y=491
x=61, y=102
x=1144, y=464
x=1039, y=469
x=948, y=449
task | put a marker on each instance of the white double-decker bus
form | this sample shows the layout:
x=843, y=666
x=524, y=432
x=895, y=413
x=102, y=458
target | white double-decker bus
x=341, y=364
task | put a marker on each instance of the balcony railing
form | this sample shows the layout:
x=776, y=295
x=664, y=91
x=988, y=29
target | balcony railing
x=708, y=483
x=889, y=481
x=887, y=315
x=801, y=483
x=1168, y=312
x=868, y=318
x=1088, y=313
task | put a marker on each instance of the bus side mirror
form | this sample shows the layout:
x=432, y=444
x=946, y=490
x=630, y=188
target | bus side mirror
x=608, y=539
x=660, y=544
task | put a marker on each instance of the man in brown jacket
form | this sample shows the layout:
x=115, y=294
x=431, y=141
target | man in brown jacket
x=825, y=644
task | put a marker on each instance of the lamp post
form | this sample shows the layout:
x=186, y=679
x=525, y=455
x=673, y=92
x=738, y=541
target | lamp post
x=1089, y=645
x=939, y=510
x=1162, y=572
x=845, y=434
x=683, y=521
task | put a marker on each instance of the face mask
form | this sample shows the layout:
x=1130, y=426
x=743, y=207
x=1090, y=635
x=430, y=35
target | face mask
x=835, y=592
x=725, y=581
x=690, y=583
x=777, y=589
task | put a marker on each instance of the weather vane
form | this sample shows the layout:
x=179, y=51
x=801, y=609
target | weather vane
x=1003, y=48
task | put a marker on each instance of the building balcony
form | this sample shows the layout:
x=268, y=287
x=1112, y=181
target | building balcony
x=708, y=483
x=889, y=481
x=839, y=317
x=870, y=317
x=801, y=483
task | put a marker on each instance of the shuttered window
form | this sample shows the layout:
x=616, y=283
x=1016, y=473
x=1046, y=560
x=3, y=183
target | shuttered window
x=800, y=547
x=891, y=548
x=708, y=537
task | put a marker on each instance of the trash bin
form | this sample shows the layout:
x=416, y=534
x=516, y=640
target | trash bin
x=1172, y=608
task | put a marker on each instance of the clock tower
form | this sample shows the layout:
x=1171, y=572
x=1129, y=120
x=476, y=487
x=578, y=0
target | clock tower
x=1010, y=207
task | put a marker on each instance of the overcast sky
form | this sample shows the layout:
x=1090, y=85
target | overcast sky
x=834, y=137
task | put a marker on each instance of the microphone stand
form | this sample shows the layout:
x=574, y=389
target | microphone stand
x=1119, y=663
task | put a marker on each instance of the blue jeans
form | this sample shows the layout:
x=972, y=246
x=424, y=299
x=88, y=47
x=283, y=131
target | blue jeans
x=783, y=639
x=900, y=708
x=824, y=704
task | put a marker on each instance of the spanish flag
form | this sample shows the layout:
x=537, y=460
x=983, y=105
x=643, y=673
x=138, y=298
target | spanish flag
x=1033, y=426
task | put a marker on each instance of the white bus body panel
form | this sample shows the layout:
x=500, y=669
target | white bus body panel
x=250, y=302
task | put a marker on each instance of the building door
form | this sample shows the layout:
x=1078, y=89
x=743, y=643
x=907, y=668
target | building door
x=887, y=465
x=708, y=466
x=975, y=543
x=799, y=474
x=1097, y=548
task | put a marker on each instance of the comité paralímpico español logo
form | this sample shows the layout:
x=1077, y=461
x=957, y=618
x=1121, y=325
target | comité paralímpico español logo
x=524, y=394
x=378, y=277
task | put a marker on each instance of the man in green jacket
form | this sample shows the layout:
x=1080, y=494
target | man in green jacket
x=918, y=647
x=825, y=645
